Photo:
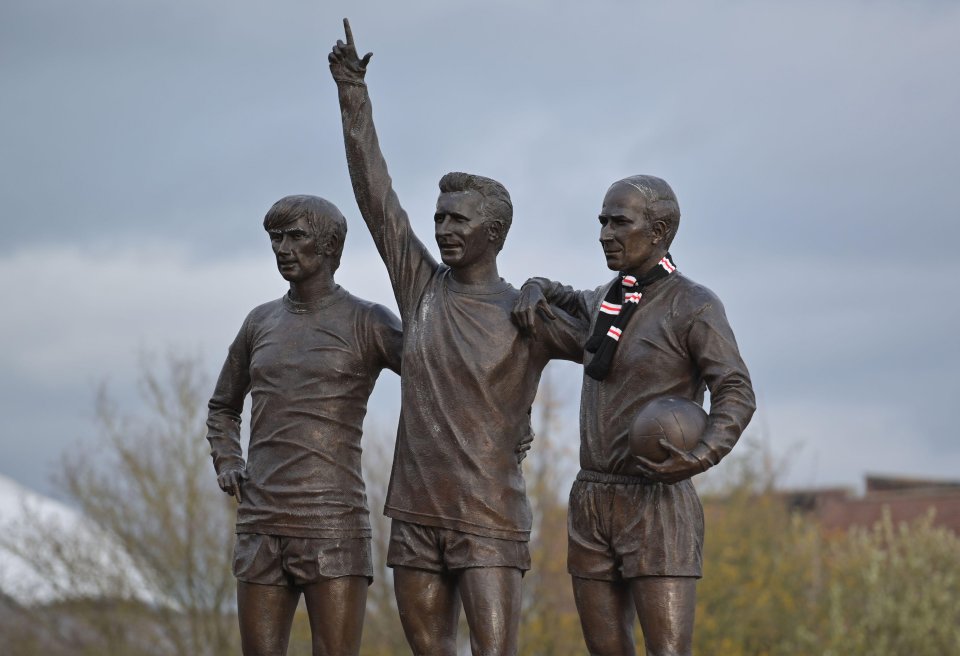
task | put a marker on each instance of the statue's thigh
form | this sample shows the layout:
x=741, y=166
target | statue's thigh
x=665, y=606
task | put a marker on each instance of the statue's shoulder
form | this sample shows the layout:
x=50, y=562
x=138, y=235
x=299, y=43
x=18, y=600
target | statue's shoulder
x=371, y=310
x=265, y=310
x=691, y=297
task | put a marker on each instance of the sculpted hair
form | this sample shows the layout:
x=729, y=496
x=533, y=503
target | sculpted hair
x=496, y=205
x=323, y=217
x=662, y=203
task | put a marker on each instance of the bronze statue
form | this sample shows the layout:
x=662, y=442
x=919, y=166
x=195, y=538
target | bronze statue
x=636, y=526
x=461, y=519
x=309, y=362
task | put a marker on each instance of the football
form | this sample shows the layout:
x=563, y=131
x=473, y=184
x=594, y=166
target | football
x=680, y=421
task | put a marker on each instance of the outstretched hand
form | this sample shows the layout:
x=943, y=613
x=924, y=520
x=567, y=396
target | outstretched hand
x=345, y=65
x=679, y=465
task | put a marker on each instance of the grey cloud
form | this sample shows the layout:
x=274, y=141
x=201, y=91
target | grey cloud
x=814, y=148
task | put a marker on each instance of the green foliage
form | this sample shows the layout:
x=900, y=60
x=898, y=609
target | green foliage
x=762, y=568
x=776, y=585
x=894, y=589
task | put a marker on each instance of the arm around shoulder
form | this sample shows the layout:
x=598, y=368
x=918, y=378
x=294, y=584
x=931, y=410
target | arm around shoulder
x=577, y=303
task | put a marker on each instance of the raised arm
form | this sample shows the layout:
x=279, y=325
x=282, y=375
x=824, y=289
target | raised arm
x=408, y=262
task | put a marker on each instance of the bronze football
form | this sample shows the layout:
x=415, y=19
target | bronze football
x=680, y=421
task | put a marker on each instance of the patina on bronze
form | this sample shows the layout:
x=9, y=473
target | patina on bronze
x=461, y=519
x=309, y=361
x=636, y=526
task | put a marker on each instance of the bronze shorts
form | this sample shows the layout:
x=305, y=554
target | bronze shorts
x=441, y=549
x=620, y=531
x=280, y=560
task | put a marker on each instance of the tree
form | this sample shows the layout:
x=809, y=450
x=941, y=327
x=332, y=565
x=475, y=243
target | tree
x=550, y=625
x=150, y=571
x=893, y=589
x=762, y=565
x=382, y=631
x=776, y=584
x=148, y=492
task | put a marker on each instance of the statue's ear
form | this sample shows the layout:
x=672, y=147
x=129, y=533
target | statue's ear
x=659, y=230
x=330, y=244
x=494, y=231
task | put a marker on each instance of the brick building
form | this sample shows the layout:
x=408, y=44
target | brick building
x=906, y=499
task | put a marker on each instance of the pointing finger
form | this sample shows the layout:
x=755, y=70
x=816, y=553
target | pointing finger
x=234, y=484
x=349, y=32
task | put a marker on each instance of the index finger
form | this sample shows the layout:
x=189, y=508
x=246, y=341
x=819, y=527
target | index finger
x=234, y=483
x=546, y=309
x=669, y=446
x=649, y=465
x=349, y=32
x=644, y=470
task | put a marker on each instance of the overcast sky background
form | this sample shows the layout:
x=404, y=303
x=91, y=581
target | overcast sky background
x=814, y=147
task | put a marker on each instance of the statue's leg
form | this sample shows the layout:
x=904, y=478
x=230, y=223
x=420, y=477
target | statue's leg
x=336, y=609
x=666, y=605
x=266, y=597
x=427, y=593
x=606, y=616
x=429, y=610
x=266, y=614
x=491, y=601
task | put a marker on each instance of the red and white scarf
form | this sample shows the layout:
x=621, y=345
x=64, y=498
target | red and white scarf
x=615, y=311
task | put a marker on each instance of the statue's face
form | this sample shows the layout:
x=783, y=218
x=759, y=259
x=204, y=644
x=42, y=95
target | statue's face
x=625, y=233
x=460, y=228
x=295, y=247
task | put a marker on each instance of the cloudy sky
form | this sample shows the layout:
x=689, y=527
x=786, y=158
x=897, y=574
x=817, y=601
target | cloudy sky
x=814, y=146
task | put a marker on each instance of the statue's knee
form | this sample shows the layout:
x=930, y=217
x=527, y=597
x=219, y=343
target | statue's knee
x=435, y=648
x=492, y=645
x=612, y=644
x=669, y=650
x=427, y=643
x=342, y=645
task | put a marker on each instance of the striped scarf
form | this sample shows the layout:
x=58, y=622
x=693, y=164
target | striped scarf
x=615, y=311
